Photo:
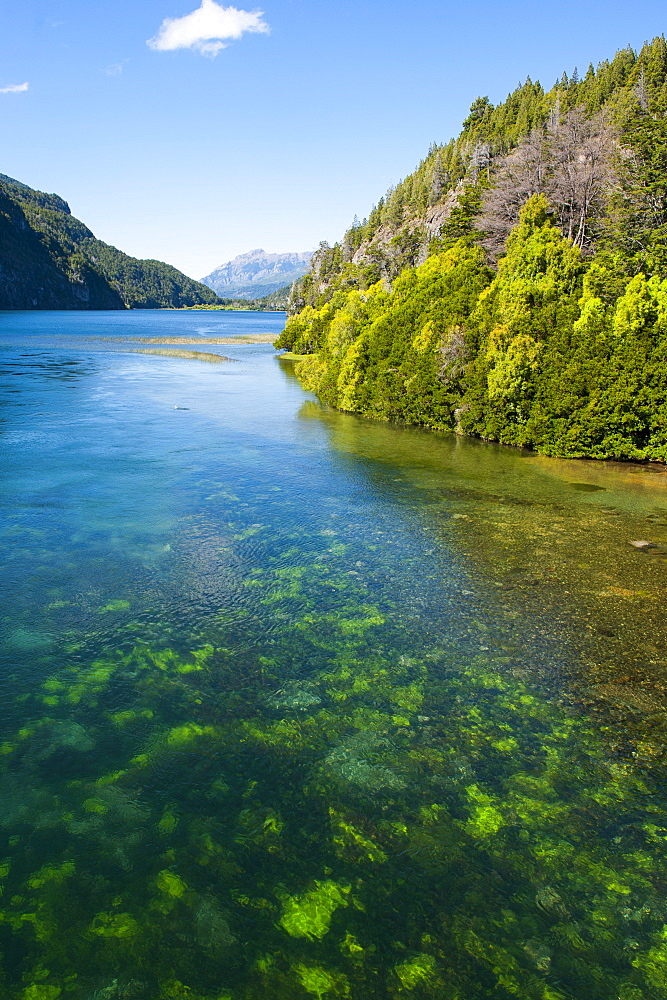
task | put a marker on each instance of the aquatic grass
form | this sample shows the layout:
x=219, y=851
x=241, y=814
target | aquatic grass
x=168, y=352
x=479, y=772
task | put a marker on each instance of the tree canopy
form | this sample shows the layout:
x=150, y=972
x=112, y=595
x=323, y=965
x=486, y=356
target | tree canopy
x=513, y=287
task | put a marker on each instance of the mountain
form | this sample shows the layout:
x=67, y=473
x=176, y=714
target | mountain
x=256, y=274
x=514, y=287
x=51, y=260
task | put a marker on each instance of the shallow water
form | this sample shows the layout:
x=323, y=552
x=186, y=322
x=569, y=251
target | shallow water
x=299, y=705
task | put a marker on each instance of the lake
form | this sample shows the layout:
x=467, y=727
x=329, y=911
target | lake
x=300, y=705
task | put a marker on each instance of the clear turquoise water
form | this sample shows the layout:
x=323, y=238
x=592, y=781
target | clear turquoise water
x=298, y=705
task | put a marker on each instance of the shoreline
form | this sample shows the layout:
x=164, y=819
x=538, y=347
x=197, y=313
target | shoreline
x=654, y=464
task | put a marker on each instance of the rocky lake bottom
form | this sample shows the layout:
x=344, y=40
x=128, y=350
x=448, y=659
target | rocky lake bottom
x=297, y=705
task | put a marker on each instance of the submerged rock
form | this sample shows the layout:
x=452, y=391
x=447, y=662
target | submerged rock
x=295, y=696
x=539, y=954
x=61, y=737
x=359, y=762
x=370, y=777
x=25, y=800
x=70, y=735
x=24, y=639
x=549, y=901
x=211, y=929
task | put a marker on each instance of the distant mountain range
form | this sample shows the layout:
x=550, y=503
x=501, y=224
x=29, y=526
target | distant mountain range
x=50, y=260
x=256, y=274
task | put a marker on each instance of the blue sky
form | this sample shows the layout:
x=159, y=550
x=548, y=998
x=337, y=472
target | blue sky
x=195, y=154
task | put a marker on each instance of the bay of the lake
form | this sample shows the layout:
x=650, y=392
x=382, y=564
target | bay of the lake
x=296, y=704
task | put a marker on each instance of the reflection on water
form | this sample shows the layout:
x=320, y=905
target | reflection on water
x=299, y=705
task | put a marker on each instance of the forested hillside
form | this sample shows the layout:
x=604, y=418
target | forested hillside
x=515, y=286
x=50, y=260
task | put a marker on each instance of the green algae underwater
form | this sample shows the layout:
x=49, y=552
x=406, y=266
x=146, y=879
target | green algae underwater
x=300, y=706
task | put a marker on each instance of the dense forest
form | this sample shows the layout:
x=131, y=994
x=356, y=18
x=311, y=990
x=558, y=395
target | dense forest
x=514, y=287
x=50, y=260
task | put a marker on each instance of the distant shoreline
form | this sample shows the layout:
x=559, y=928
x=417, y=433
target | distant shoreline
x=230, y=308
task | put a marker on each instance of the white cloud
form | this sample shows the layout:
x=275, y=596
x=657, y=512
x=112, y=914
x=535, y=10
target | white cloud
x=14, y=88
x=115, y=69
x=206, y=29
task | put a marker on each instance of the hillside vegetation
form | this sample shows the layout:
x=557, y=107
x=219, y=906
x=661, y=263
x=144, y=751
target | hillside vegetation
x=515, y=286
x=50, y=260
